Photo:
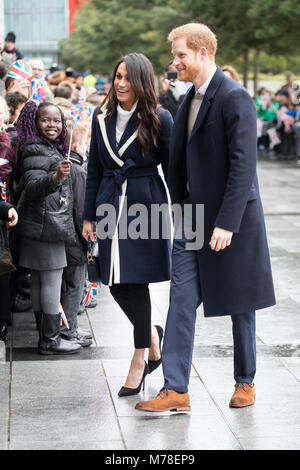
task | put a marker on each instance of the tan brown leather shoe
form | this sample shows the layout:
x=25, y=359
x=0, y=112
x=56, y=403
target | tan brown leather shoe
x=244, y=395
x=166, y=400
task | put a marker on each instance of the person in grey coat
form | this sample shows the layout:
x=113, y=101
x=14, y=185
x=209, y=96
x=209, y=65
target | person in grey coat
x=74, y=273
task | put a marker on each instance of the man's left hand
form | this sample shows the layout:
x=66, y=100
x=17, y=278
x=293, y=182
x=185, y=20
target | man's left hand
x=220, y=239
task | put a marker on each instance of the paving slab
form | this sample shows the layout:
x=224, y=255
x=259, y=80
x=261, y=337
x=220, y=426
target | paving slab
x=75, y=445
x=293, y=365
x=62, y=420
x=272, y=443
x=59, y=379
x=277, y=398
x=178, y=432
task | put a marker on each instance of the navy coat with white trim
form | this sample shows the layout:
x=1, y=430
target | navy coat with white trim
x=138, y=261
x=219, y=163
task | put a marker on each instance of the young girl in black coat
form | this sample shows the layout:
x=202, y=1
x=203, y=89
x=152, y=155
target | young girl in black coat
x=46, y=216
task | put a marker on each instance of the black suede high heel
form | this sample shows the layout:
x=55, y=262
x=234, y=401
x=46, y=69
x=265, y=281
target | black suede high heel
x=155, y=364
x=127, y=392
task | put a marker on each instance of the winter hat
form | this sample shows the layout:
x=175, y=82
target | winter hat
x=11, y=37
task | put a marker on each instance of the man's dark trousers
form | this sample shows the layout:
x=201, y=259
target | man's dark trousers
x=185, y=298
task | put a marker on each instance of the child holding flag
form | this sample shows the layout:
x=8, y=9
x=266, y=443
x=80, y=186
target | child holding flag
x=46, y=216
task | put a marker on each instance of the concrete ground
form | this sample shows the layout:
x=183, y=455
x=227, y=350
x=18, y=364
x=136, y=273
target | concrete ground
x=72, y=403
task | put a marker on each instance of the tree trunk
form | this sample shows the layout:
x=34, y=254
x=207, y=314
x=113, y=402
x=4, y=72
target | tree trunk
x=245, y=68
x=256, y=71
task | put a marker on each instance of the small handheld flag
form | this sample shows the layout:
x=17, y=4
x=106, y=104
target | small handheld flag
x=3, y=161
x=76, y=113
x=3, y=190
x=37, y=93
x=20, y=70
x=63, y=318
x=94, y=289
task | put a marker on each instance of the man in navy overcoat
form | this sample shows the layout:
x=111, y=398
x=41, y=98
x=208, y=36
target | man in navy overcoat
x=213, y=163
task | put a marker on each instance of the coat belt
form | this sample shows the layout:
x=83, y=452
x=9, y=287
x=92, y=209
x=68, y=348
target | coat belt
x=118, y=176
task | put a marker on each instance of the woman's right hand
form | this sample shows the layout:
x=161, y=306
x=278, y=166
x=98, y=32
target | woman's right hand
x=87, y=231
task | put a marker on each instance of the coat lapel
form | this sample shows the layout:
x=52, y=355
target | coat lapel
x=130, y=129
x=207, y=100
x=111, y=133
x=180, y=123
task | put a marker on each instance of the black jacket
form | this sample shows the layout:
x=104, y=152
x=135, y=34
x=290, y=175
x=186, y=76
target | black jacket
x=76, y=254
x=45, y=210
x=4, y=208
x=169, y=102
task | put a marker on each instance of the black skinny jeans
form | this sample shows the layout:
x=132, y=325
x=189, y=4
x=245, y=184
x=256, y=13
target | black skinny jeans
x=134, y=300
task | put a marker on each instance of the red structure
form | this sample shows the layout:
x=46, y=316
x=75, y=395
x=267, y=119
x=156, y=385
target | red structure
x=74, y=5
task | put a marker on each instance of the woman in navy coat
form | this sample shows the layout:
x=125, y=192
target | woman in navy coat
x=130, y=138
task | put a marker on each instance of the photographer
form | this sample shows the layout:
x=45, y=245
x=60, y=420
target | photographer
x=172, y=91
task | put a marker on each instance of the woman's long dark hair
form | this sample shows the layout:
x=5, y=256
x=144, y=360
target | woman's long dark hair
x=27, y=127
x=141, y=77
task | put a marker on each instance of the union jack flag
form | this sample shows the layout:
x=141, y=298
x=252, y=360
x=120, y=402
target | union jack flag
x=63, y=318
x=37, y=92
x=94, y=289
x=3, y=190
x=3, y=161
x=78, y=111
x=20, y=70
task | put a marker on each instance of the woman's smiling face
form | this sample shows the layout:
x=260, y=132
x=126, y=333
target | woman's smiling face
x=49, y=122
x=123, y=88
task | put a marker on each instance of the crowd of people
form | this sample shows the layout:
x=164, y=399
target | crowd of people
x=30, y=266
x=278, y=120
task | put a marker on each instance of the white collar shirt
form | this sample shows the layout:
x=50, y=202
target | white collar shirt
x=203, y=88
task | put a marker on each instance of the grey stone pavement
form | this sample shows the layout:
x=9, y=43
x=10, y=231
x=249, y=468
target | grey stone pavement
x=72, y=403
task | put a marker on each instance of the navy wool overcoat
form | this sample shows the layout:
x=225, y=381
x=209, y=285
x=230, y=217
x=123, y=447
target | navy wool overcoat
x=113, y=174
x=219, y=163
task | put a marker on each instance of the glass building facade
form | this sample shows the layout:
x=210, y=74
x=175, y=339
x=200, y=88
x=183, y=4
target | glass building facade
x=39, y=26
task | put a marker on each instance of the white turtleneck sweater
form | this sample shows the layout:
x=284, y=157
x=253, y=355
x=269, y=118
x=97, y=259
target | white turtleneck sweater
x=122, y=120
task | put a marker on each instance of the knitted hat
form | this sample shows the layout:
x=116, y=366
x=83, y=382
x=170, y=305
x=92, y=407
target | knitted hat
x=11, y=37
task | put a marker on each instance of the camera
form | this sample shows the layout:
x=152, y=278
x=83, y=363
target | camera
x=172, y=75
